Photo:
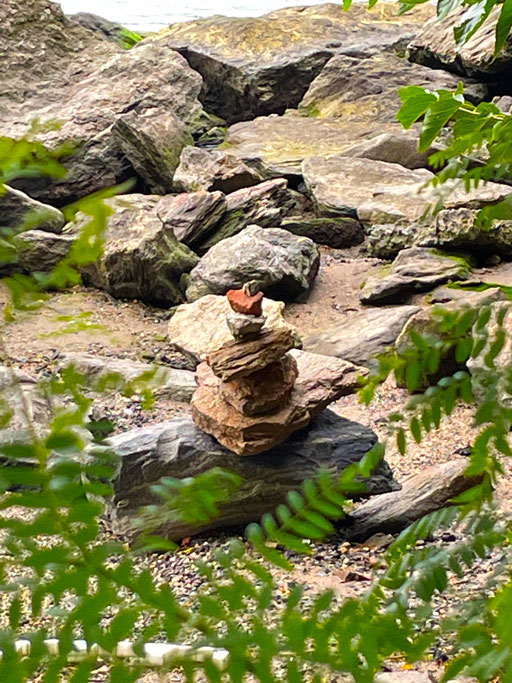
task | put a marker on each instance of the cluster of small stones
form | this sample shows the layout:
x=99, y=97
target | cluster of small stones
x=245, y=389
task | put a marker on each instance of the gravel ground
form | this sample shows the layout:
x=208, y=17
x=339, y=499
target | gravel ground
x=132, y=330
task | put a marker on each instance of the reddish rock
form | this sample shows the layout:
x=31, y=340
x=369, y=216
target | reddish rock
x=241, y=302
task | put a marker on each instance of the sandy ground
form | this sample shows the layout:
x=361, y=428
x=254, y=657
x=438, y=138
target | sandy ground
x=133, y=330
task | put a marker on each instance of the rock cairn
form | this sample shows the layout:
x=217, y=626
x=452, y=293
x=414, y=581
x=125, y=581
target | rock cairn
x=245, y=389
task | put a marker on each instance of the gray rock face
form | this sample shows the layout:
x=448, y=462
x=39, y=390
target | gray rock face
x=18, y=210
x=127, y=82
x=37, y=251
x=339, y=232
x=385, y=241
x=152, y=142
x=42, y=55
x=179, y=449
x=177, y=385
x=199, y=328
x=435, y=46
x=395, y=148
x=213, y=169
x=142, y=259
x=367, y=89
x=258, y=66
x=264, y=205
x=282, y=264
x=362, y=335
x=414, y=270
x=101, y=26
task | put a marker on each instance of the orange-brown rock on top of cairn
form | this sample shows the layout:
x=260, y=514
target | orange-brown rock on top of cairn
x=246, y=300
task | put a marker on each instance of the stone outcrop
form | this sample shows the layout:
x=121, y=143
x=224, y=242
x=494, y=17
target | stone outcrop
x=367, y=89
x=201, y=327
x=213, y=169
x=414, y=270
x=258, y=66
x=434, y=45
x=142, y=259
x=361, y=335
x=282, y=264
x=165, y=382
x=264, y=204
x=128, y=83
x=18, y=210
x=178, y=448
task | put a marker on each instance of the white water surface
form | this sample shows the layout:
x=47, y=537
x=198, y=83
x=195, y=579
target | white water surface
x=152, y=15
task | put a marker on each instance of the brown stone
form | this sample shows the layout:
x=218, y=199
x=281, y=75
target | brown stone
x=262, y=392
x=240, y=359
x=242, y=434
x=241, y=302
x=323, y=379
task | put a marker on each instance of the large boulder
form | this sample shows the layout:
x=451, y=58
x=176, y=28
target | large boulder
x=180, y=449
x=18, y=210
x=36, y=251
x=434, y=45
x=384, y=193
x=199, y=328
x=338, y=232
x=42, y=56
x=414, y=270
x=258, y=66
x=213, y=169
x=362, y=335
x=128, y=85
x=367, y=89
x=264, y=204
x=142, y=258
x=282, y=264
x=117, y=373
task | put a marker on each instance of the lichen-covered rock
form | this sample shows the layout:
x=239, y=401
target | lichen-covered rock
x=18, y=210
x=414, y=270
x=37, y=251
x=258, y=66
x=213, y=169
x=367, y=89
x=142, y=258
x=385, y=241
x=152, y=141
x=361, y=335
x=264, y=205
x=109, y=29
x=146, y=78
x=282, y=264
x=434, y=45
x=199, y=328
x=178, y=448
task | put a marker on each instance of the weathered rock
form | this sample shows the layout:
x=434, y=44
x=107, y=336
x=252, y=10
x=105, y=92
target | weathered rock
x=42, y=56
x=242, y=301
x=264, y=205
x=177, y=385
x=18, y=210
x=395, y=148
x=282, y=265
x=488, y=381
x=193, y=216
x=435, y=46
x=127, y=82
x=239, y=359
x=387, y=240
x=367, y=89
x=339, y=232
x=420, y=495
x=37, y=251
x=142, y=259
x=178, y=448
x=213, y=169
x=380, y=192
x=261, y=392
x=242, y=325
x=101, y=26
x=414, y=270
x=240, y=433
x=360, y=336
x=199, y=328
x=152, y=142
x=257, y=66
x=323, y=379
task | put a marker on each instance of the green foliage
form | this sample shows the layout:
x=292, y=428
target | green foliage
x=129, y=38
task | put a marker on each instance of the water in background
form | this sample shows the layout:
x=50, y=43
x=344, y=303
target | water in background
x=151, y=15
